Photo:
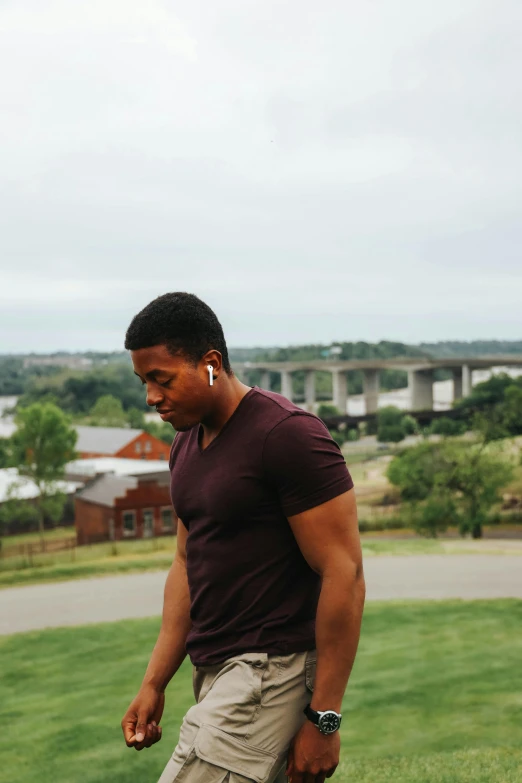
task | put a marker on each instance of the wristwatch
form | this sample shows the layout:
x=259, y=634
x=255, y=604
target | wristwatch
x=327, y=722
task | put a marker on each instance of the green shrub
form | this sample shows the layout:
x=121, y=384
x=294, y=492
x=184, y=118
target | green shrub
x=325, y=411
x=338, y=436
x=448, y=427
x=385, y=523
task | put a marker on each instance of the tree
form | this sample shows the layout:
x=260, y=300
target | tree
x=352, y=434
x=338, y=436
x=76, y=391
x=512, y=410
x=488, y=393
x=450, y=482
x=42, y=445
x=5, y=452
x=390, y=427
x=24, y=511
x=136, y=418
x=160, y=429
x=410, y=425
x=446, y=426
x=108, y=412
x=477, y=477
x=326, y=411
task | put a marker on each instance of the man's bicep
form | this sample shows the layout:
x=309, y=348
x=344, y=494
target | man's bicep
x=181, y=540
x=328, y=534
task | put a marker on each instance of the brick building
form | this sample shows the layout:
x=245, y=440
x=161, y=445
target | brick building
x=111, y=508
x=119, y=442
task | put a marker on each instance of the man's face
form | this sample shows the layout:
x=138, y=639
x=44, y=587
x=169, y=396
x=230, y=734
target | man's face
x=177, y=389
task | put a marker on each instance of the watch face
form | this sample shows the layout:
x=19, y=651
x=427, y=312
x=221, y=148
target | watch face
x=329, y=722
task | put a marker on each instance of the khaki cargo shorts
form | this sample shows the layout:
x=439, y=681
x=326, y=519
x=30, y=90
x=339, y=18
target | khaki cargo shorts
x=248, y=710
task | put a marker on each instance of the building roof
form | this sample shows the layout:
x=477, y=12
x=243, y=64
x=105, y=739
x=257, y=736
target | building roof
x=105, y=440
x=117, y=465
x=106, y=488
x=23, y=488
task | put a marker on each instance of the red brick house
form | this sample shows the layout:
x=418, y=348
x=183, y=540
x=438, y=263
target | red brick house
x=119, y=442
x=111, y=508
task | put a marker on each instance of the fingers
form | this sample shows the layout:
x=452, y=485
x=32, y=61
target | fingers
x=153, y=734
x=295, y=776
x=138, y=732
x=128, y=726
x=148, y=735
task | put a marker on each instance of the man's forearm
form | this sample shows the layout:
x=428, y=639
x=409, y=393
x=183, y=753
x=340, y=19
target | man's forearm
x=169, y=651
x=338, y=626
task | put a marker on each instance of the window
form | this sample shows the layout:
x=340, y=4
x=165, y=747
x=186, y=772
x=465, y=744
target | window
x=148, y=523
x=137, y=448
x=148, y=445
x=167, y=519
x=129, y=523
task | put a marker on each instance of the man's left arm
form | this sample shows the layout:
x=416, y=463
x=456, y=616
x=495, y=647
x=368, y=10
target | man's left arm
x=328, y=537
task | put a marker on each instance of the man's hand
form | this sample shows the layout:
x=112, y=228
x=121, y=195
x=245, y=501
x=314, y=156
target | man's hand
x=312, y=756
x=140, y=722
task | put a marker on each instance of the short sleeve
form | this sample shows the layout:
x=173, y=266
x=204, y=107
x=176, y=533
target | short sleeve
x=304, y=463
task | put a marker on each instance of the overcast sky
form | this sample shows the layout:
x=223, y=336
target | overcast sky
x=315, y=171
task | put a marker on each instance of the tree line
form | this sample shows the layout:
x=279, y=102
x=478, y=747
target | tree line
x=16, y=379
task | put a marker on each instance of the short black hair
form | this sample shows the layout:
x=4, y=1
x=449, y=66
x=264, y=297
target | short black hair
x=182, y=322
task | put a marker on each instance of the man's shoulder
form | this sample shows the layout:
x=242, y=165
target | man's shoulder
x=278, y=406
x=274, y=409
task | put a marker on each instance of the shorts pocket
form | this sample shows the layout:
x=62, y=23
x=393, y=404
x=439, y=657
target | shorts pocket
x=310, y=666
x=229, y=754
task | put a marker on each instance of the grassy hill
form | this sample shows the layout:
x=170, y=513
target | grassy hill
x=434, y=697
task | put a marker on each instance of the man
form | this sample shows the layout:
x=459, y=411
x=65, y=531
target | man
x=266, y=590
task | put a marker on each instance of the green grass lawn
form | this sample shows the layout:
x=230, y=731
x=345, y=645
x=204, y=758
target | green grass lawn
x=435, y=697
x=147, y=554
x=156, y=554
x=34, y=536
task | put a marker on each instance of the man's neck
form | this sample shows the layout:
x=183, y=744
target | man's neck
x=230, y=396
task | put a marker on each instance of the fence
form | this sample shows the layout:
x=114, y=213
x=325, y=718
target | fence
x=30, y=548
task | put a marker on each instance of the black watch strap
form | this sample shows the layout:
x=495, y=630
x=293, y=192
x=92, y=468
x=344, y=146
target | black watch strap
x=327, y=722
x=311, y=714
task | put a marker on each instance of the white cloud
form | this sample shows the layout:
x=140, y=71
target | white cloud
x=337, y=171
x=56, y=23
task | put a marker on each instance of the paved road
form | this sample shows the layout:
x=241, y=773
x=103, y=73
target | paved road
x=140, y=595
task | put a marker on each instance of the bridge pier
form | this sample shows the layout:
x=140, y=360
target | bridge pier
x=466, y=380
x=310, y=390
x=457, y=383
x=286, y=384
x=265, y=380
x=371, y=390
x=340, y=390
x=420, y=383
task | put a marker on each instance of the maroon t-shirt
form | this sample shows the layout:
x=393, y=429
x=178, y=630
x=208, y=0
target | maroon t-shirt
x=251, y=590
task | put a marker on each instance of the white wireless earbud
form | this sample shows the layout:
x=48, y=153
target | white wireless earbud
x=210, y=374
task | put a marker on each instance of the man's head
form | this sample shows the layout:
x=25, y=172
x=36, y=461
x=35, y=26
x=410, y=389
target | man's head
x=172, y=341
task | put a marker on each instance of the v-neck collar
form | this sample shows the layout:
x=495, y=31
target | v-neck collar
x=224, y=427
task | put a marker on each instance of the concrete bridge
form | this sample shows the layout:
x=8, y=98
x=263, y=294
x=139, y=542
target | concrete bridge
x=420, y=376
